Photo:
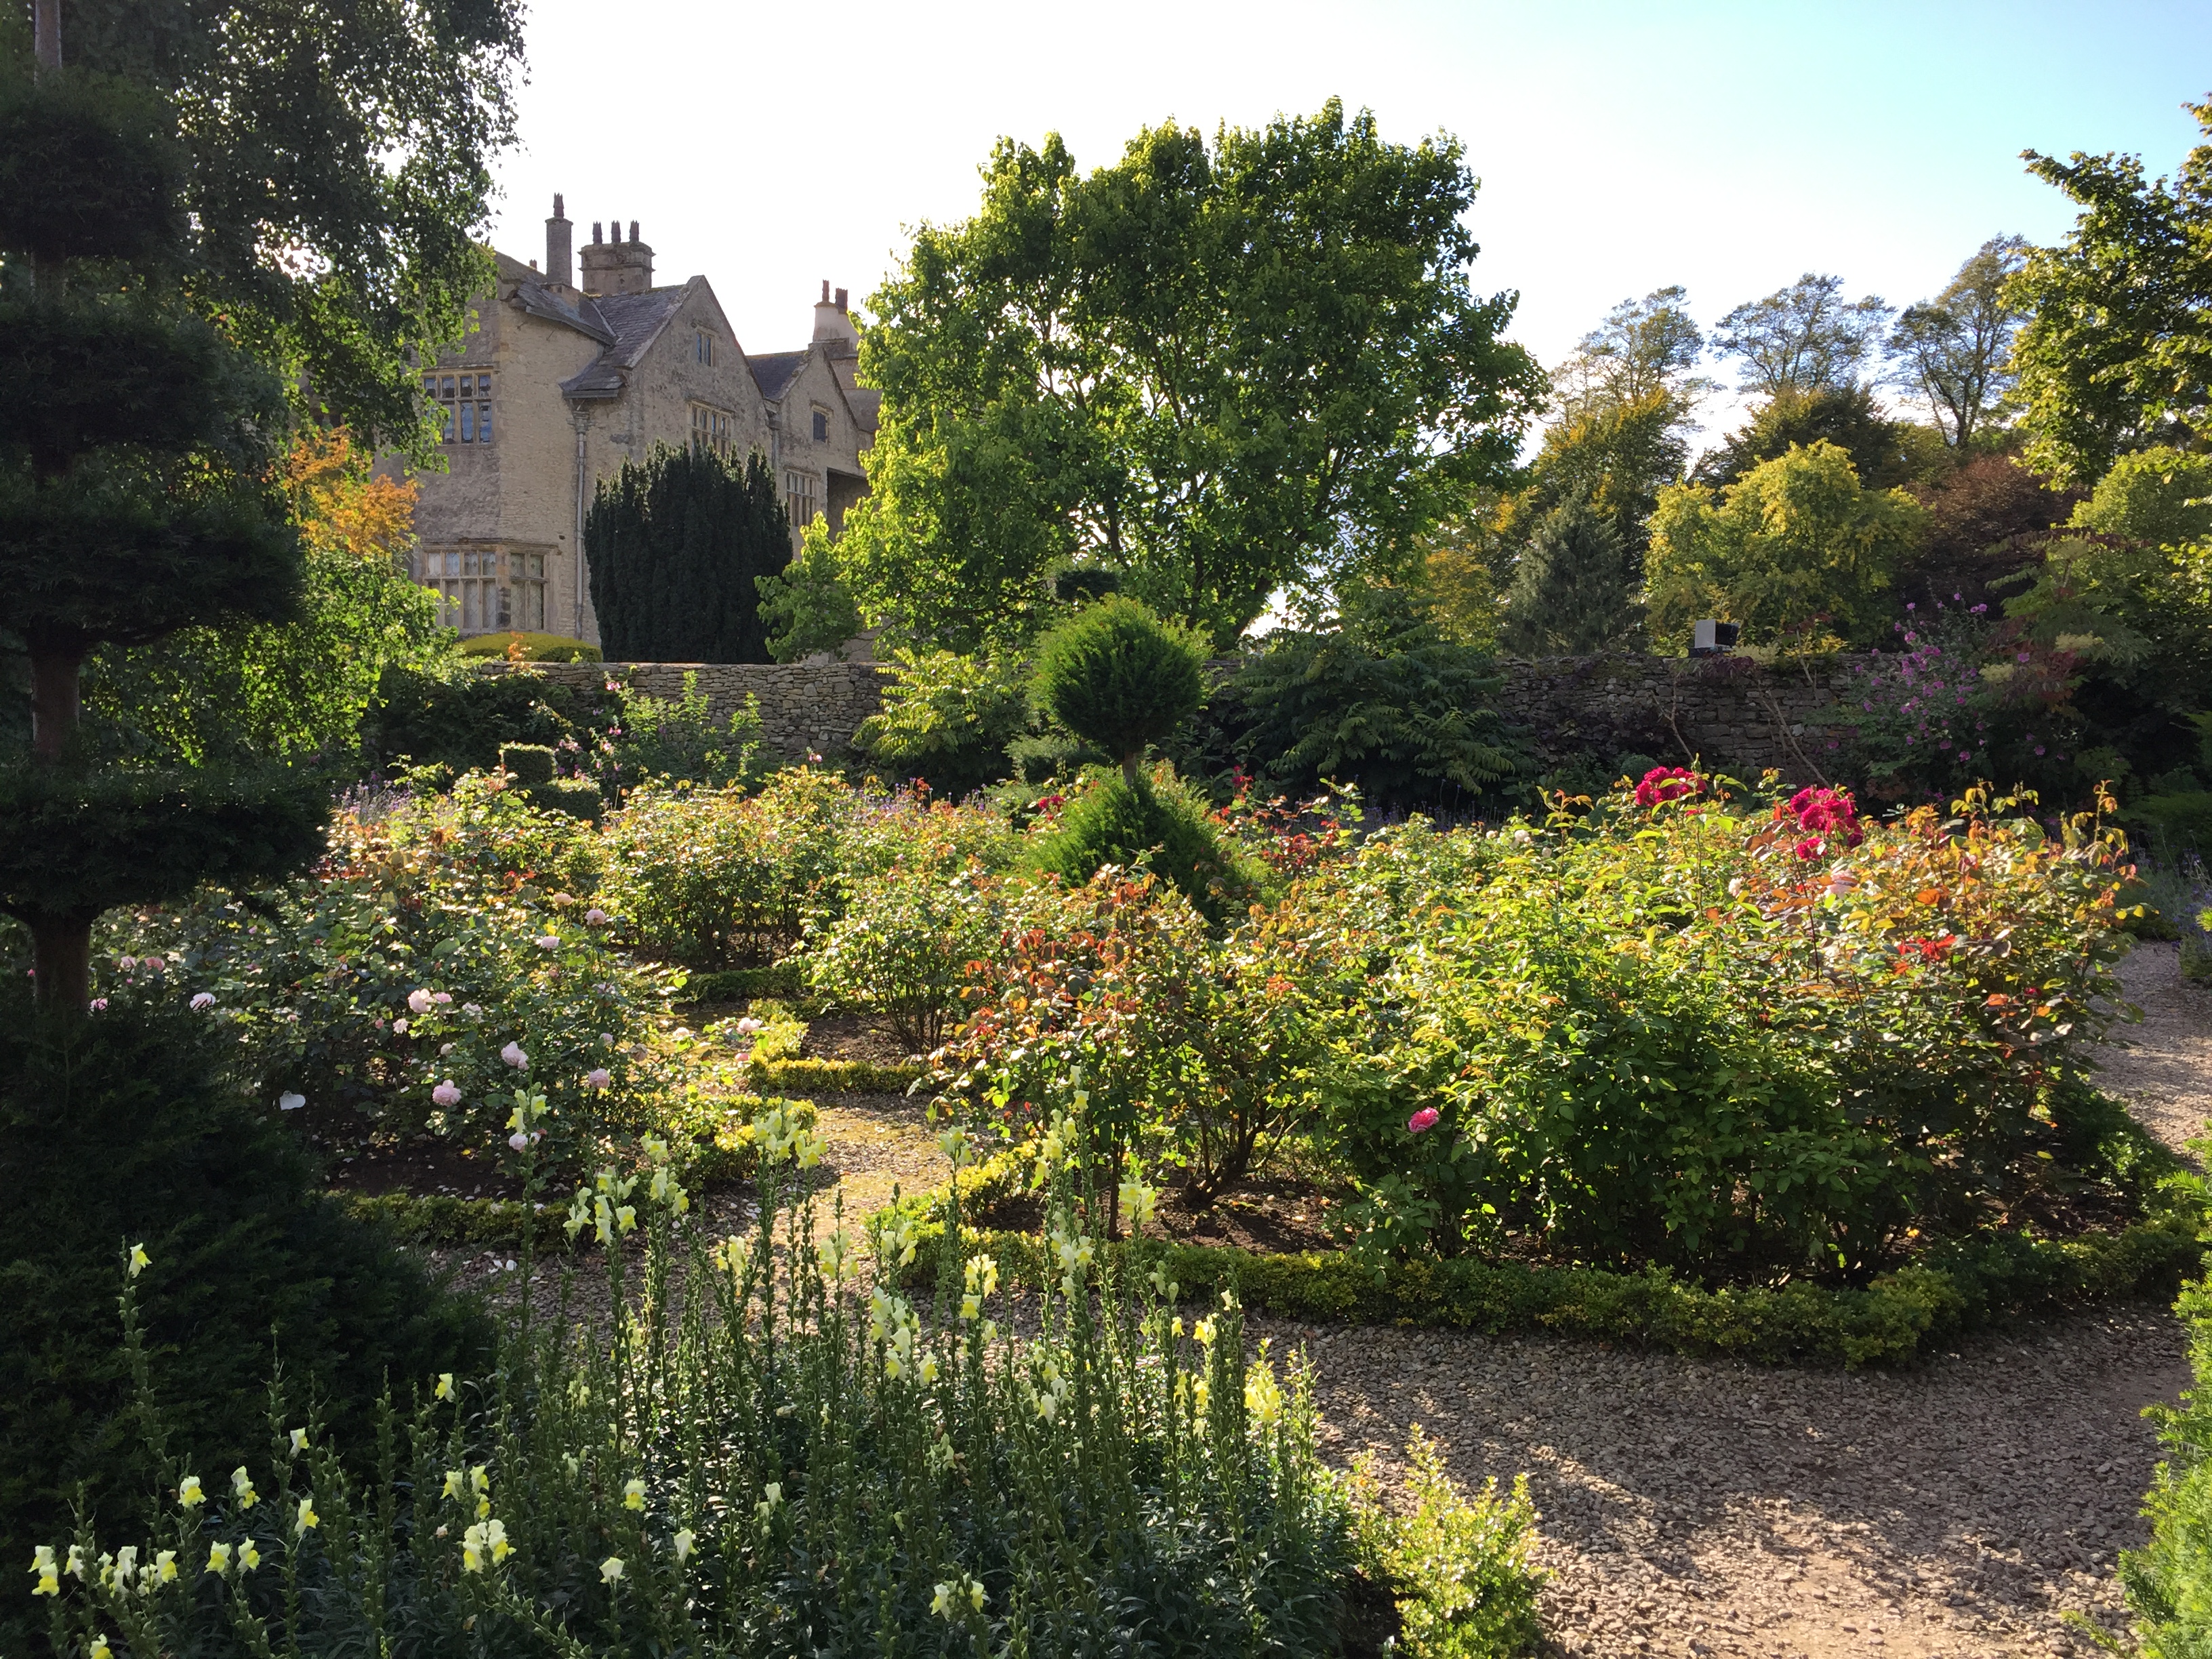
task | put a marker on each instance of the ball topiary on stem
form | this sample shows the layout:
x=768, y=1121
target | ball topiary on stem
x=1119, y=678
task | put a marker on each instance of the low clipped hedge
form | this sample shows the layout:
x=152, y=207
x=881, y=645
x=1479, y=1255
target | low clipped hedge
x=778, y=979
x=851, y=1077
x=1955, y=1289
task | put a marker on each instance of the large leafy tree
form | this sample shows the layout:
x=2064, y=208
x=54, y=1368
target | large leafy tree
x=2117, y=354
x=1804, y=337
x=205, y=210
x=1953, y=352
x=1798, y=552
x=677, y=546
x=1217, y=368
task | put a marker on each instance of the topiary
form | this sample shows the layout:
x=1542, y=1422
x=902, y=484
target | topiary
x=131, y=1126
x=1116, y=675
x=1124, y=823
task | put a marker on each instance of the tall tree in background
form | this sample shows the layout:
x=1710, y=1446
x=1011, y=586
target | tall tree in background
x=1953, y=352
x=195, y=211
x=1217, y=369
x=2117, y=352
x=676, y=547
x=1886, y=453
x=1644, y=347
x=1803, y=338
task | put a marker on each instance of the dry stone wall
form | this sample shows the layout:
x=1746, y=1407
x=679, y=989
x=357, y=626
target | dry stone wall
x=1731, y=713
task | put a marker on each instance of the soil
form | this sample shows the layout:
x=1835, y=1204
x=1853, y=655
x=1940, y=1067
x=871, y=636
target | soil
x=425, y=1167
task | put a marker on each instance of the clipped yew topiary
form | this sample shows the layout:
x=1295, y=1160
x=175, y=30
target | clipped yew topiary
x=1118, y=677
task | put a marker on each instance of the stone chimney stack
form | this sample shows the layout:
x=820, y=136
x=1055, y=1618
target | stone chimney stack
x=560, y=267
x=833, y=324
x=618, y=267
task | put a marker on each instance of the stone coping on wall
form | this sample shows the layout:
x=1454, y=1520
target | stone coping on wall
x=1733, y=713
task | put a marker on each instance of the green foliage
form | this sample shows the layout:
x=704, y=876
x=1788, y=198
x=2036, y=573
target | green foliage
x=1796, y=553
x=903, y=945
x=780, y=979
x=459, y=718
x=1754, y=1040
x=1383, y=700
x=677, y=740
x=805, y=607
x=682, y=1483
x=1574, y=591
x=1464, y=1571
x=1227, y=365
x=1115, y=676
x=1887, y=453
x=1805, y=338
x=438, y=935
x=2114, y=356
x=853, y=1076
x=2158, y=496
x=1895, y=1319
x=135, y=1127
x=1149, y=824
x=1954, y=351
x=677, y=545
x=714, y=878
x=535, y=647
x=2169, y=1579
x=946, y=718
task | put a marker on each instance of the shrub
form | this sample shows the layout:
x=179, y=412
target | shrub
x=677, y=740
x=519, y=647
x=437, y=933
x=2169, y=1580
x=1117, y=677
x=135, y=1127
x=1463, y=1570
x=1144, y=825
x=1692, y=1033
x=1384, y=701
x=459, y=719
x=903, y=946
x=781, y=979
x=683, y=1487
x=946, y=718
x=714, y=878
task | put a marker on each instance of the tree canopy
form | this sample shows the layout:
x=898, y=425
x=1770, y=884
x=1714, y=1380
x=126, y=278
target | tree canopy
x=1805, y=338
x=1953, y=352
x=1217, y=369
x=1796, y=553
x=2117, y=352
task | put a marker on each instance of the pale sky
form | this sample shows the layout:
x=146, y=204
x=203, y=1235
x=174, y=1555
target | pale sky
x=1727, y=146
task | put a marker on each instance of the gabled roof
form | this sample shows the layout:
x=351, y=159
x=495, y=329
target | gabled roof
x=775, y=371
x=633, y=322
x=538, y=301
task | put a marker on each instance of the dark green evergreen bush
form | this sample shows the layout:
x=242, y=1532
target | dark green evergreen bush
x=462, y=720
x=677, y=545
x=131, y=1126
x=1163, y=828
x=1117, y=677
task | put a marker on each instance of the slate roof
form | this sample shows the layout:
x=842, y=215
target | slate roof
x=775, y=371
x=868, y=406
x=633, y=321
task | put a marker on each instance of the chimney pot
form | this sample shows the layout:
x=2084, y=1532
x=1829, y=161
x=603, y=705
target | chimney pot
x=557, y=210
x=825, y=290
x=633, y=231
x=841, y=300
x=595, y=233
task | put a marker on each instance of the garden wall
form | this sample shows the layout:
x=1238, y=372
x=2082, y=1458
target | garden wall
x=1730, y=711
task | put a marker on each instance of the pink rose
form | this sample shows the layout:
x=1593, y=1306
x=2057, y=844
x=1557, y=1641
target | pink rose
x=1423, y=1121
x=152, y=964
x=597, y=1078
x=446, y=1093
x=518, y=1140
x=201, y=1001
x=126, y=963
x=513, y=1055
x=100, y=1005
x=595, y=917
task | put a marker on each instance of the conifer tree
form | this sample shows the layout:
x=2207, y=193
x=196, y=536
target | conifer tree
x=167, y=287
x=677, y=546
x=1574, y=589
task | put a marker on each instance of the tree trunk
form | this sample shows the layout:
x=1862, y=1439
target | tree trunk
x=61, y=943
x=1130, y=764
x=61, y=959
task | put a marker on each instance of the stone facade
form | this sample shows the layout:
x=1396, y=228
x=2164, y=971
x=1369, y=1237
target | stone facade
x=1727, y=712
x=565, y=375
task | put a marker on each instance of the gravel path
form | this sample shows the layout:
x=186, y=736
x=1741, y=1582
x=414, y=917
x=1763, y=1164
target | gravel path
x=2163, y=1067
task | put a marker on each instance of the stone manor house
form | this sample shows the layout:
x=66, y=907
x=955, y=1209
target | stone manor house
x=564, y=376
